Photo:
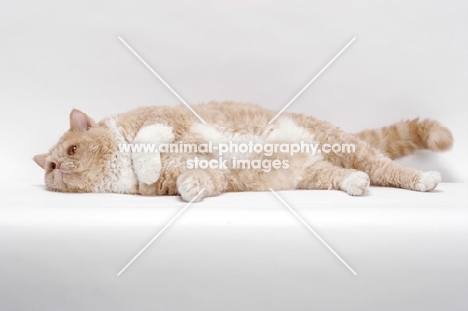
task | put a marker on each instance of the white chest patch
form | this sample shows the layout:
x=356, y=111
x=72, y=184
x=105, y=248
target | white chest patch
x=121, y=177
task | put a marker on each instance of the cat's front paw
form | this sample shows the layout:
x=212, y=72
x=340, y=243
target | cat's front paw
x=189, y=185
x=147, y=167
x=147, y=162
x=428, y=181
x=356, y=183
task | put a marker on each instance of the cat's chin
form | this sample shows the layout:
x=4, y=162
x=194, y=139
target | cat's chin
x=65, y=188
x=62, y=176
x=70, y=190
x=55, y=189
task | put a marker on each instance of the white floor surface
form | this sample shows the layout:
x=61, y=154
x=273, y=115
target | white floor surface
x=238, y=251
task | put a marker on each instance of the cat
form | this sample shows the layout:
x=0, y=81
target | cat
x=88, y=158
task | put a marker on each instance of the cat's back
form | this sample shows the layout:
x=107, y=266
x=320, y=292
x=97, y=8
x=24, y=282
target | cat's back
x=234, y=115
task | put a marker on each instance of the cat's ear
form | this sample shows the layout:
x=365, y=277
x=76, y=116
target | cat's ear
x=40, y=159
x=79, y=121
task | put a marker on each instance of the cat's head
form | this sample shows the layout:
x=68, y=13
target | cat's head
x=79, y=160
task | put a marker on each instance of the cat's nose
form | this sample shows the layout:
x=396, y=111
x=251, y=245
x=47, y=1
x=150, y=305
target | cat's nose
x=59, y=164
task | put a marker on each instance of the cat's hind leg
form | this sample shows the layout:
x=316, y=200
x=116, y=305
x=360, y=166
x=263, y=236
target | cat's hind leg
x=325, y=175
x=383, y=171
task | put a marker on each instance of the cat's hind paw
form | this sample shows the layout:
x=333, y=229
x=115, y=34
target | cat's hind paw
x=428, y=181
x=189, y=186
x=356, y=183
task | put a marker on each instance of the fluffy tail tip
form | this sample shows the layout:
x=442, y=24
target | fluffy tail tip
x=439, y=138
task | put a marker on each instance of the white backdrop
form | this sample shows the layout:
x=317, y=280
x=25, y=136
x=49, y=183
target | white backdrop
x=409, y=60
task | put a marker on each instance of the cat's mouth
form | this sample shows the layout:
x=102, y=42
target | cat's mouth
x=65, y=181
x=63, y=176
x=60, y=175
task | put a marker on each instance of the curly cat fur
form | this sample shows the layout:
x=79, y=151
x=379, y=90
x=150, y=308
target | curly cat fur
x=98, y=166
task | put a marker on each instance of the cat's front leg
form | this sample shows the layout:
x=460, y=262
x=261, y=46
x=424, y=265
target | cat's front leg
x=146, y=156
x=191, y=182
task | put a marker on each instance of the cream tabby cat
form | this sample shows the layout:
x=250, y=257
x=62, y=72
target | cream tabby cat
x=87, y=158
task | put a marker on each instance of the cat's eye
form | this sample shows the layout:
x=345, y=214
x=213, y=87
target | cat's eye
x=52, y=166
x=72, y=150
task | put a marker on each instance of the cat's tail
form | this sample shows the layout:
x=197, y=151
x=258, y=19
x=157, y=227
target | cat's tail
x=406, y=137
